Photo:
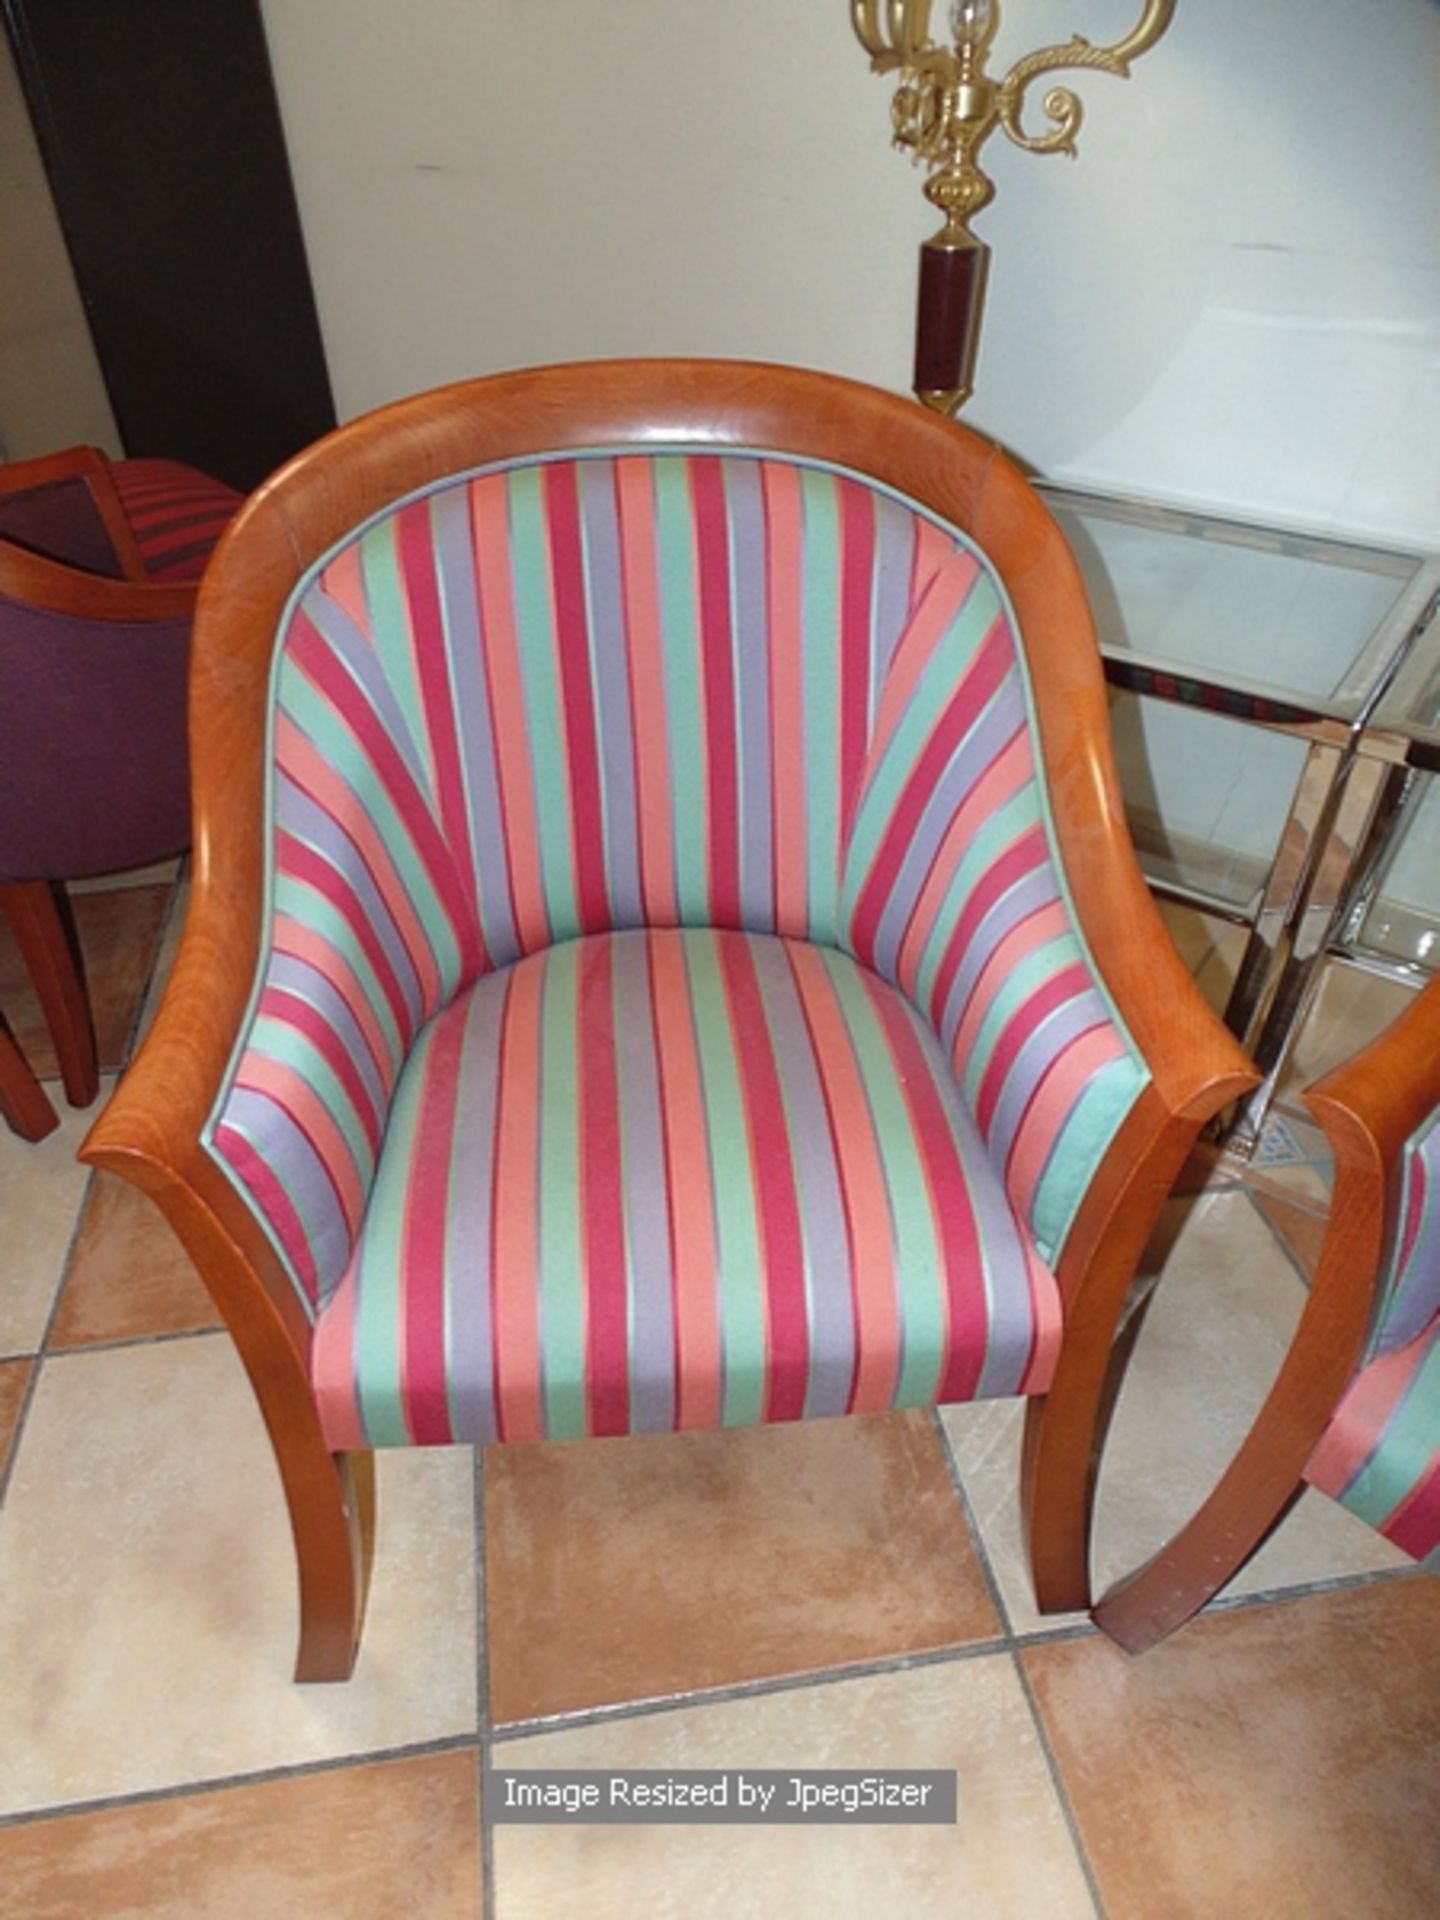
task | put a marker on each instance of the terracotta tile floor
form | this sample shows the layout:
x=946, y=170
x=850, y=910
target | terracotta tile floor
x=841, y=1594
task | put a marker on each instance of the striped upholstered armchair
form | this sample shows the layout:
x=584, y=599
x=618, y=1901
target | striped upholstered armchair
x=665, y=950
x=1355, y=1407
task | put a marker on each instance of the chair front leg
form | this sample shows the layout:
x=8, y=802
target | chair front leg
x=1264, y=1477
x=1064, y=1432
x=332, y=1520
x=331, y=1502
x=1065, y=1429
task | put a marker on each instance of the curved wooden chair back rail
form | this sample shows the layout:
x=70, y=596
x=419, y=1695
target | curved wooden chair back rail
x=1372, y=1108
x=491, y=507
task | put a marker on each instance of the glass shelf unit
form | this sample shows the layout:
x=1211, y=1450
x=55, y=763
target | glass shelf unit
x=1329, y=652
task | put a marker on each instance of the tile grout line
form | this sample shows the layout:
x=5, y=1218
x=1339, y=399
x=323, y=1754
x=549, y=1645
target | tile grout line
x=977, y=1538
x=123, y=1345
x=112, y=1346
x=583, y=1718
x=43, y=1352
x=483, y=1727
x=17, y=1432
x=1306, y=1589
x=1254, y=1197
x=7, y=1468
x=142, y=1000
x=488, y=1736
x=1079, y=1630
x=231, y=1782
x=1057, y=1782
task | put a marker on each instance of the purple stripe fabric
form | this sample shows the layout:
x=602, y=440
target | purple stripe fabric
x=455, y=568
x=469, y=1336
x=647, y=1221
x=275, y=1135
x=1049, y=1041
x=976, y=753
x=311, y=824
x=612, y=697
x=299, y=977
x=1016, y=904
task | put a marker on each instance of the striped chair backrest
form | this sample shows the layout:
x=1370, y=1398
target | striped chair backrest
x=603, y=691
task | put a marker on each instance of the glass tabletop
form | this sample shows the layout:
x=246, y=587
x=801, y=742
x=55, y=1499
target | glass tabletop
x=1281, y=615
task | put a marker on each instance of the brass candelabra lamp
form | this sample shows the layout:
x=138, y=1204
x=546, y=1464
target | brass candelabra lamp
x=945, y=109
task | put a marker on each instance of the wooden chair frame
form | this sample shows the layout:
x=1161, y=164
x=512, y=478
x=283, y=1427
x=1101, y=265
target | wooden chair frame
x=1368, y=1108
x=93, y=467
x=150, y=1133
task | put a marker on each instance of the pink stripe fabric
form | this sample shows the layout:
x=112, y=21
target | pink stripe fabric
x=176, y=513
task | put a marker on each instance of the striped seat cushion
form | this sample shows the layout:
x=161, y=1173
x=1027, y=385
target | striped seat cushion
x=175, y=512
x=1381, y=1452
x=651, y=1180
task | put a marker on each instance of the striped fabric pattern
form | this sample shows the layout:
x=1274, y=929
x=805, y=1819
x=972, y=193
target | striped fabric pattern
x=1409, y=1297
x=951, y=892
x=680, y=1178
x=1381, y=1452
x=1380, y=1455
x=576, y=696
x=175, y=512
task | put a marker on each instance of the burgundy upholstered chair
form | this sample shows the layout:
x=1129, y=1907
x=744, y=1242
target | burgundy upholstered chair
x=97, y=569
x=664, y=949
x=1355, y=1408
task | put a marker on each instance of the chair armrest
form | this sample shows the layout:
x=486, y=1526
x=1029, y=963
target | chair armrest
x=1372, y=1104
x=70, y=463
x=38, y=582
x=1375, y=1109
x=90, y=465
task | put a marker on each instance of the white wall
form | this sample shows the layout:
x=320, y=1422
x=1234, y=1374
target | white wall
x=1232, y=297
x=51, y=391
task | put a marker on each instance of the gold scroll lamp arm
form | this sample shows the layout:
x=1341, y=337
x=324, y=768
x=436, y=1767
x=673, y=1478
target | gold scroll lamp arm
x=944, y=110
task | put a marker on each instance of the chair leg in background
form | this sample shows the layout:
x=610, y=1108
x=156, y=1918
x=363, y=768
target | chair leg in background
x=24, y=1106
x=1262, y=1482
x=1065, y=1430
x=44, y=941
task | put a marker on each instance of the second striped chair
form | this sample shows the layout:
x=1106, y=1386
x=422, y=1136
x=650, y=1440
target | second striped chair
x=1355, y=1407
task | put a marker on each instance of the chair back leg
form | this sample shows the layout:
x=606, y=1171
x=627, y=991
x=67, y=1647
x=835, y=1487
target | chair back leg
x=23, y=1104
x=45, y=944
